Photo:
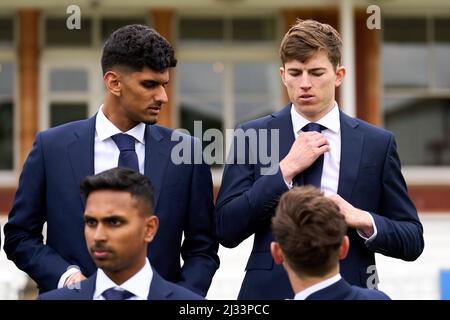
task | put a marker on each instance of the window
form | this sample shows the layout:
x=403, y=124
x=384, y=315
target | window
x=227, y=30
x=253, y=29
x=202, y=99
x=223, y=81
x=6, y=32
x=66, y=112
x=405, y=38
x=256, y=86
x=68, y=92
x=71, y=85
x=6, y=116
x=58, y=35
x=71, y=91
x=7, y=98
x=416, y=77
x=109, y=24
x=206, y=29
x=442, y=53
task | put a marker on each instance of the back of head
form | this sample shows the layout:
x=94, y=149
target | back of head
x=306, y=38
x=135, y=47
x=309, y=229
x=121, y=179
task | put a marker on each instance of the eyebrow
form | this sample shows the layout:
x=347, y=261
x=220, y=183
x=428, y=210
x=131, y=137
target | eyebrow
x=109, y=218
x=154, y=82
x=312, y=69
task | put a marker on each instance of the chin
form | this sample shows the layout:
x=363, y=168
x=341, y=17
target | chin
x=308, y=110
x=150, y=122
x=100, y=264
x=149, y=119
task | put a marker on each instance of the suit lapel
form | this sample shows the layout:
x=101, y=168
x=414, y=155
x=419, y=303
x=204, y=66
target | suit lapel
x=158, y=288
x=283, y=122
x=81, y=152
x=352, y=141
x=87, y=288
x=157, y=154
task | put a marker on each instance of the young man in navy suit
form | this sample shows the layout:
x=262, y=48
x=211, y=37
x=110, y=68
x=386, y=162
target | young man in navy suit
x=136, y=61
x=310, y=239
x=352, y=161
x=118, y=225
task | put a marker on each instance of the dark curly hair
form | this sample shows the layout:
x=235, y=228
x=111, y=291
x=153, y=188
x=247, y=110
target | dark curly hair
x=137, y=46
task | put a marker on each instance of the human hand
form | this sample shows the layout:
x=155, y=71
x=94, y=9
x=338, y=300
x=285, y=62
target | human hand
x=355, y=218
x=74, y=278
x=304, y=151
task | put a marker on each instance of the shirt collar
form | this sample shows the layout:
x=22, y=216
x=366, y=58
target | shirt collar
x=105, y=128
x=138, y=284
x=302, y=295
x=330, y=120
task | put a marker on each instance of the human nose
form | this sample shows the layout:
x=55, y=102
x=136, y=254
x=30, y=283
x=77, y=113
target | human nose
x=305, y=81
x=161, y=95
x=99, y=233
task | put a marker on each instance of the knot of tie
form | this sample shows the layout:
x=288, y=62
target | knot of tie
x=312, y=175
x=124, y=142
x=115, y=294
x=128, y=156
x=312, y=126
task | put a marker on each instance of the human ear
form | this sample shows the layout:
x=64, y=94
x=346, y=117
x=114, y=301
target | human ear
x=340, y=74
x=112, y=82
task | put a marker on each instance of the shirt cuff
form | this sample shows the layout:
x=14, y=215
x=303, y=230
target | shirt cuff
x=70, y=271
x=289, y=185
x=373, y=236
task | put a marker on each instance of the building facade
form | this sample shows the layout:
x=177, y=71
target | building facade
x=397, y=54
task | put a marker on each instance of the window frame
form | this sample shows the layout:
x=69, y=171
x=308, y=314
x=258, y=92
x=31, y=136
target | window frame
x=227, y=53
x=81, y=60
x=86, y=58
x=8, y=178
x=419, y=174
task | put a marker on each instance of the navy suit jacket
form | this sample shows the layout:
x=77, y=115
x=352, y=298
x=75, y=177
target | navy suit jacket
x=370, y=179
x=49, y=191
x=341, y=290
x=160, y=289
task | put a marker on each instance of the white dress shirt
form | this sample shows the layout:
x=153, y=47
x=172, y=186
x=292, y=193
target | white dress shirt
x=106, y=152
x=139, y=284
x=302, y=295
x=331, y=159
x=106, y=156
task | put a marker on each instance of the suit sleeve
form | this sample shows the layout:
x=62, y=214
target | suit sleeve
x=199, y=248
x=245, y=203
x=400, y=233
x=23, y=232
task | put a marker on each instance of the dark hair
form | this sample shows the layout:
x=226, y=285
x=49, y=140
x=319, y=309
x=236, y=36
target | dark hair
x=136, y=46
x=310, y=229
x=307, y=37
x=121, y=179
